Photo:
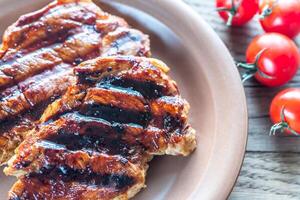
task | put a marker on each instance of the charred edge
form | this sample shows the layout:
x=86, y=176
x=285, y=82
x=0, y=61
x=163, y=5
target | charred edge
x=52, y=40
x=25, y=120
x=91, y=141
x=114, y=114
x=7, y=124
x=87, y=78
x=23, y=123
x=35, y=16
x=59, y=178
x=93, y=135
x=22, y=164
x=87, y=176
x=150, y=90
x=171, y=123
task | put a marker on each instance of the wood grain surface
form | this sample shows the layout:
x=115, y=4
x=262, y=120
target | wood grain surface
x=271, y=169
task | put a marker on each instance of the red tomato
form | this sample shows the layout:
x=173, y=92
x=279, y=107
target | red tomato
x=279, y=59
x=281, y=16
x=237, y=12
x=285, y=111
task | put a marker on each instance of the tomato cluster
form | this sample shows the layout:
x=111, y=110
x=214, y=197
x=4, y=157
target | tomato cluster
x=280, y=16
x=272, y=58
x=237, y=12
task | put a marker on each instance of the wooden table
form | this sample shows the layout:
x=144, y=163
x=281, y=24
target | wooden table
x=271, y=168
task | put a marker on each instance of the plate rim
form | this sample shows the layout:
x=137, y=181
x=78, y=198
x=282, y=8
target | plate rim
x=179, y=7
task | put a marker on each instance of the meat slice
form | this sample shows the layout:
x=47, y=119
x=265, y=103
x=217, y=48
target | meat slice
x=82, y=176
x=76, y=44
x=39, y=51
x=97, y=139
x=37, y=89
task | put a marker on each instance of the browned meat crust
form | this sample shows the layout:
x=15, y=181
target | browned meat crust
x=39, y=51
x=104, y=130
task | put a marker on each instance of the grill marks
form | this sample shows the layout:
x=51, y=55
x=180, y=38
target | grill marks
x=111, y=175
x=48, y=84
x=75, y=49
x=64, y=32
x=77, y=46
x=67, y=174
x=36, y=90
x=148, y=89
x=75, y=132
x=56, y=186
x=95, y=141
x=76, y=22
x=80, y=46
x=115, y=114
x=50, y=188
x=123, y=91
x=13, y=132
x=28, y=65
x=104, y=130
x=115, y=97
x=118, y=112
x=82, y=132
x=33, y=188
x=50, y=21
x=39, y=51
x=60, y=163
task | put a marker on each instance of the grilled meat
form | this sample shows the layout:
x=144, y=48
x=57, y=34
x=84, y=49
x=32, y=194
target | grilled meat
x=96, y=141
x=39, y=51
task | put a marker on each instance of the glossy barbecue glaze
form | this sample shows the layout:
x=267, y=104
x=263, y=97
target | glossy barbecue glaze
x=39, y=51
x=97, y=139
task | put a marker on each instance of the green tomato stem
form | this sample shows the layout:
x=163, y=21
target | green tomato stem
x=231, y=12
x=282, y=126
x=252, y=68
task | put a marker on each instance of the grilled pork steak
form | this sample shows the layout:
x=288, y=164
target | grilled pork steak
x=96, y=141
x=39, y=51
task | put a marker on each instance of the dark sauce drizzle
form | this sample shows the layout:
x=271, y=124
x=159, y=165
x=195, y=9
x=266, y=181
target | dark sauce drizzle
x=148, y=89
x=86, y=176
x=114, y=114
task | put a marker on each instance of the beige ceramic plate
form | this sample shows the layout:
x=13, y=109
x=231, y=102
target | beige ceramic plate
x=207, y=77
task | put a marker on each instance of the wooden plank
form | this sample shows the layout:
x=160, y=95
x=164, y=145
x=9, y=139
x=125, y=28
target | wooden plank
x=260, y=141
x=236, y=38
x=264, y=175
x=258, y=97
x=269, y=176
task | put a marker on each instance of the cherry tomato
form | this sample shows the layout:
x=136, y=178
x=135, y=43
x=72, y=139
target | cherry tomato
x=281, y=16
x=237, y=12
x=285, y=111
x=274, y=59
